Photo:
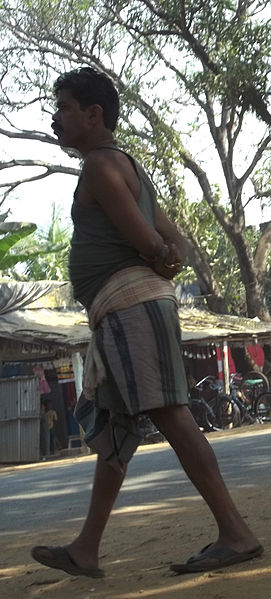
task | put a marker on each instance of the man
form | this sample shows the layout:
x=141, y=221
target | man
x=44, y=433
x=124, y=252
x=52, y=420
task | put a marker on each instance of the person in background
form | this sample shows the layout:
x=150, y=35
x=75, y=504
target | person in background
x=52, y=420
x=44, y=433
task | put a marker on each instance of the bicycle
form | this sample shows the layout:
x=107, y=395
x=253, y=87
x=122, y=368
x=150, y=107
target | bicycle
x=251, y=394
x=212, y=409
x=215, y=410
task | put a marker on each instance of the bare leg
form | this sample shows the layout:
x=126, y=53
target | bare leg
x=84, y=549
x=200, y=464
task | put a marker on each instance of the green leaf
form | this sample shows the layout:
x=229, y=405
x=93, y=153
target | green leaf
x=4, y=216
x=13, y=232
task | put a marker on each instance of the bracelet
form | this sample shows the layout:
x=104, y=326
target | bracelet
x=174, y=265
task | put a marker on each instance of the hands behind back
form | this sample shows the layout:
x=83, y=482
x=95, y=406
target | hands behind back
x=170, y=266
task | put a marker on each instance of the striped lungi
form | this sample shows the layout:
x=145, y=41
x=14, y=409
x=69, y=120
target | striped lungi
x=133, y=364
x=141, y=350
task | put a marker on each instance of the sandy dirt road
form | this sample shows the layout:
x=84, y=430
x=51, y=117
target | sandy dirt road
x=139, y=544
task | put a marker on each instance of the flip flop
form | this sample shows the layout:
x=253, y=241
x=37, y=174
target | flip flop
x=216, y=557
x=59, y=558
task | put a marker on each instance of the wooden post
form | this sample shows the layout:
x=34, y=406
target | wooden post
x=225, y=362
x=226, y=373
x=77, y=366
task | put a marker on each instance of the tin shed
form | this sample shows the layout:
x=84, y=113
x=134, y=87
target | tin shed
x=19, y=419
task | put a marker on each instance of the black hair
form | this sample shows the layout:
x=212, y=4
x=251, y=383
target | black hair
x=89, y=86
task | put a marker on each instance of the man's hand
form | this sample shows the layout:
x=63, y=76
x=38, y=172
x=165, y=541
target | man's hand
x=175, y=242
x=171, y=265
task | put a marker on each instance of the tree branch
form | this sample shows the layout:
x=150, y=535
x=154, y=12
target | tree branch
x=189, y=86
x=263, y=250
x=250, y=95
x=31, y=135
x=207, y=191
x=254, y=161
x=51, y=168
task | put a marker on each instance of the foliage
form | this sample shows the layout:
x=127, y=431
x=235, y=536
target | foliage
x=189, y=76
x=11, y=233
x=221, y=257
x=48, y=252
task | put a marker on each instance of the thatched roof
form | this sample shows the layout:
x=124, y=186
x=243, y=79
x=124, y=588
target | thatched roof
x=54, y=318
x=202, y=326
x=43, y=325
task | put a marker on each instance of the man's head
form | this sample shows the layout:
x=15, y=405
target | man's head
x=89, y=87
x=87, y=101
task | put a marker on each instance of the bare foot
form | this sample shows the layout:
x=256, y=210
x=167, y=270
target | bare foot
x=240, y=540
x=213, y=557
x=81, y=556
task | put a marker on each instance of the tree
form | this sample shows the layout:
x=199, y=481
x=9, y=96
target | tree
x=10, y=234
x=203, y=62
x=222, y=259
x=46, y=252
x=37, y=259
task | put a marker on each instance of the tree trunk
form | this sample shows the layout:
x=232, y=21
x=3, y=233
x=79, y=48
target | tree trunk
x=254, y=286
x=207, y=284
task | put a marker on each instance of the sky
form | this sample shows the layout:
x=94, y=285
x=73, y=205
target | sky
x=32, y=202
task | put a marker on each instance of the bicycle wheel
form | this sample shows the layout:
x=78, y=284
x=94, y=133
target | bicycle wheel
x=263, y=407
x=253, y=375
x=210, y=421
x=202, y=414
x=252, y=385
x=223, y=409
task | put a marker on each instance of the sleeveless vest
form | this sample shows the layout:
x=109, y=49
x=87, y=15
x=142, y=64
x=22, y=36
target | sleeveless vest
x=98, y=249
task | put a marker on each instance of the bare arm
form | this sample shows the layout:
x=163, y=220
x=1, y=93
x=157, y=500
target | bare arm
x=176, y=243
x=169, y=232
x=162, y=247
x=110, y=189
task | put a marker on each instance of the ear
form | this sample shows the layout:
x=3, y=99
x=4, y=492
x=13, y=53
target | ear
x=95, y=114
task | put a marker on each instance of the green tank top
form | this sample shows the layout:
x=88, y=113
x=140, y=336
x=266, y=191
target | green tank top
x=98, y=249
